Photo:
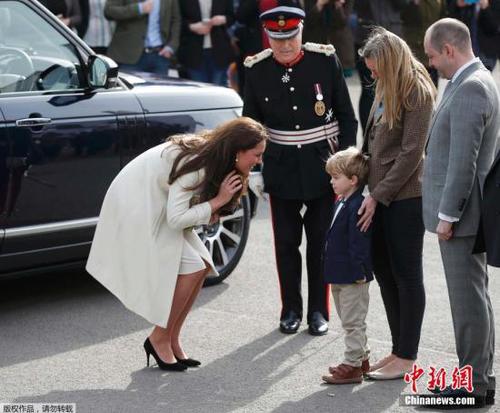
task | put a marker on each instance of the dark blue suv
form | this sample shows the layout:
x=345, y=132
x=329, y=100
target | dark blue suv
x=68, y=122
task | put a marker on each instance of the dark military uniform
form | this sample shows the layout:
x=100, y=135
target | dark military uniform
x=284, y=100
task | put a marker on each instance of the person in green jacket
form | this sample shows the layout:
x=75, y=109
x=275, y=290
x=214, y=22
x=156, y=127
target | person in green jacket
x=417, y=16
x=327, y=21
x=146, y=35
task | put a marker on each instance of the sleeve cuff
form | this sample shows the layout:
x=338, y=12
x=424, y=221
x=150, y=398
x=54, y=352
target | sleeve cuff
x=204, y=213
x=447, y=218
x=377, y=197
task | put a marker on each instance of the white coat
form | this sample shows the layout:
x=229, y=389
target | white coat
x=137, y=246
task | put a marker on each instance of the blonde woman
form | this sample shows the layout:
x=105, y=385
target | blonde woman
x=394, y=139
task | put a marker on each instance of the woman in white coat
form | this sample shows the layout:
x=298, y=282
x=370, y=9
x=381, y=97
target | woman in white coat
x=145, y=250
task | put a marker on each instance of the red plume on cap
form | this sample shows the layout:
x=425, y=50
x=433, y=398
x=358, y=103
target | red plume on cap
x=265, y=5
x=273, y=9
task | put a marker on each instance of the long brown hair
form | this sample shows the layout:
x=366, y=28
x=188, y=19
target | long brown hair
x=399, y=75
x=215, y=151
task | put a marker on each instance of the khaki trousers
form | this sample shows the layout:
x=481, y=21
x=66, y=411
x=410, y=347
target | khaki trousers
x=351, y=302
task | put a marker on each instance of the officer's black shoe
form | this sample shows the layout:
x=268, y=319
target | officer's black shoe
x=479, y=400
x=489, y=399
x=290, y=323
x=318, y=326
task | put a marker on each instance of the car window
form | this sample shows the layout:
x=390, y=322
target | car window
x=34, y=56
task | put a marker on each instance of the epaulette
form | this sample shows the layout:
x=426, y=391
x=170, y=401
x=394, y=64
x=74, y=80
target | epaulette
x=327, y=49
x=251, y=60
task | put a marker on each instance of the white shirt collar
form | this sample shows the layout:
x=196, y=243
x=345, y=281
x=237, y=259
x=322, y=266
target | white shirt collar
x=465, y=66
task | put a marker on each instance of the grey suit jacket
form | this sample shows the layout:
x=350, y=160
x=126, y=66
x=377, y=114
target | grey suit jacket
x=461, y=146
x=127, y=43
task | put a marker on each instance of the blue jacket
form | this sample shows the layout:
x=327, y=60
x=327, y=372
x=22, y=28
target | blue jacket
x=347, y=253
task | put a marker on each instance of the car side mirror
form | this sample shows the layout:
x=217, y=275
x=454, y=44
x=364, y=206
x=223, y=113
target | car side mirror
x=102, y=72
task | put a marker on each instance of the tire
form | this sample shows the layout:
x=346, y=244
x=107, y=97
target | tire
x=226, y=240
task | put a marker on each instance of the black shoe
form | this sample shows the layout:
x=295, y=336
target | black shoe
x=290, y=323
x=188, y=362
x=318, y=326
x=479, y=400
x=148, y=347
x=489, y=399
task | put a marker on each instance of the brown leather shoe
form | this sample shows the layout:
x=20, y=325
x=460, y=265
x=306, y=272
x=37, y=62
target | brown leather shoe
x=365, y=367
x=345, y=374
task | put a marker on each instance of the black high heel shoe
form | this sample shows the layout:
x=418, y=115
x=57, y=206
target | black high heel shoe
x=189, y=362
x=148, y=347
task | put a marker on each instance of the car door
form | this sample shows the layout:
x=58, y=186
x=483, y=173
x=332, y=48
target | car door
x=3, y=176
x=63, y=139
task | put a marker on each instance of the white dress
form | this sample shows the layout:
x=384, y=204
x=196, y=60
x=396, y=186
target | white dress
x=142, y=233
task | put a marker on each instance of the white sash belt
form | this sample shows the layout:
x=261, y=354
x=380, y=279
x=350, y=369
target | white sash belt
x=329, y=131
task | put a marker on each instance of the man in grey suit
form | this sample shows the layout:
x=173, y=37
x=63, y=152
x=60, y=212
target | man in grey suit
x=460, y=150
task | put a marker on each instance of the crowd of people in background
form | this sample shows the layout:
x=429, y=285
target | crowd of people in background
x=208, y=40
x=297, y=111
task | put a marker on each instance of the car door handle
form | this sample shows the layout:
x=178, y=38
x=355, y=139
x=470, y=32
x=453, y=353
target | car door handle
x=15, y=162
x=31, y=122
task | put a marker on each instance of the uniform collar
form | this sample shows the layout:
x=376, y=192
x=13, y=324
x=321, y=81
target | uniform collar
x=299, y=57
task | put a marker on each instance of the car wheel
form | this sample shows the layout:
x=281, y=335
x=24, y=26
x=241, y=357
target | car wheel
x=226, y=240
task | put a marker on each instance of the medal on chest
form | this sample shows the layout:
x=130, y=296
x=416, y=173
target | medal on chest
x=319, y=106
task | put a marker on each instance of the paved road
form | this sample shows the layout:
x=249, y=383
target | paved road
x=65, y=339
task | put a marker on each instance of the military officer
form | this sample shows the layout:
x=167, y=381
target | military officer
x=299, y=93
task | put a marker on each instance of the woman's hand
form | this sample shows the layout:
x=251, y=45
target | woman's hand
x=229, y=186
x=367, y=210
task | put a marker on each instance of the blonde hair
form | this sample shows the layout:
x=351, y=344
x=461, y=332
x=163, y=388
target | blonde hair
x=349, y=162
x=400, y=74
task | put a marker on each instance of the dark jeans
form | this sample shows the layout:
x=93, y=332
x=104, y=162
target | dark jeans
x=367, y=91
x=150, y=62
x=397, y=242
x=209, y=72
x=288, y=224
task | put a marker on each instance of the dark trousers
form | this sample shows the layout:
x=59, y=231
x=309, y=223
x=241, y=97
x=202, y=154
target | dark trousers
x=397, y=242
x=150, y=62
x=209, y=72
x=287, y=227
x=367, y=91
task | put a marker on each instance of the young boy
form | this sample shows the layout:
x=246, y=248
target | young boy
x=347, y=263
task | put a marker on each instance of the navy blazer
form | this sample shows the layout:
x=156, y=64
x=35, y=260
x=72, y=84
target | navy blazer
x=347, y=253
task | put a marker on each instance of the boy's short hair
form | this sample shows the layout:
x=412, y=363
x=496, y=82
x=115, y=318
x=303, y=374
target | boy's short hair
x=349, y=162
